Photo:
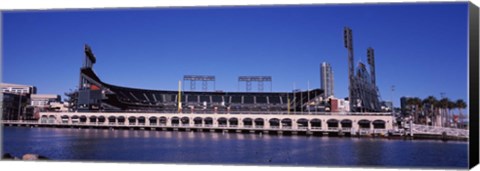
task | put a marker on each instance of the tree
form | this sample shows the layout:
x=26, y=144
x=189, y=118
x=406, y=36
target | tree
x=431, y=102
x=451, y=105
x=415, y=105
x=460, y=106
x=443, y=103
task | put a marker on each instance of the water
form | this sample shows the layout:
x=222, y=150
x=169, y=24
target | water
x=230, y=148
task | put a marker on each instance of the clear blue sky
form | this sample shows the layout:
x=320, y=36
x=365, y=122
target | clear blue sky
x=419, y=48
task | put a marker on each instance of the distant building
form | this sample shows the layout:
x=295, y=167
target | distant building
x=17, y=88
x=16, y=98
x=403, y=106
x=13, y=106
x=386, y=106
x=326, y=79
x=44, y=100
x=339, y=105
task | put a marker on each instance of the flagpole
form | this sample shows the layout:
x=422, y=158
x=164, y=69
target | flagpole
x=308, y=96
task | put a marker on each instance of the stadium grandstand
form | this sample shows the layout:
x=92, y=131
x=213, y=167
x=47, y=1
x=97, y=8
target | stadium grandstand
x=95, y=95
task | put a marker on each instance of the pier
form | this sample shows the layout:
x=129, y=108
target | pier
x=298, y=123
x=351, y=124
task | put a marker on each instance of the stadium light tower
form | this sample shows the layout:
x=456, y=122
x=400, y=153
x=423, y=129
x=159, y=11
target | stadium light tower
x=204, y=78
x=259, y=79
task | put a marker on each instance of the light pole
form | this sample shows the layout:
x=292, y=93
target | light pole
x=392, y=107
x=391, y=99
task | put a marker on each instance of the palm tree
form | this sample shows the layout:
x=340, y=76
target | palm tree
x=415, y=104
x=460, y=106
x=443, y=103
x=451, y=105
x=431, y=102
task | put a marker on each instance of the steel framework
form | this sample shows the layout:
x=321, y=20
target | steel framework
x=363, y=92
x=259, y=79
x=204, y=78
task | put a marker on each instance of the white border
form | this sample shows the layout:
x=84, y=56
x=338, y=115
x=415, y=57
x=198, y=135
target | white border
x=87, y=4
x=9, y=5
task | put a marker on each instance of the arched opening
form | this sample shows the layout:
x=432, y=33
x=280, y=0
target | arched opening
x=247, y=122
x=83, y=119
x=302, y=123
x=287, y=123
x=316, y=123
x=185, y=121
x=274, y=123
x=364, y=124
x=141, y=120
x=52, y=119
x=197, y=121
x=93, y=119
x=132, y=120
x=346, y=124
x=44, y=119
x=259, y=123
x=222, y=122
x=64, y=118
x=75, y=119
x=378, y=124
x=233, y=122
x=208, y=121
x=175, y=121
x=111, y=120
x=101, y=119
x=153, y=120
x=121, y=120
x=332, y=124
x=163, y=121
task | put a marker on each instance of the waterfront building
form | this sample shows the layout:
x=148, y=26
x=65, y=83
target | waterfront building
x=44, y=100
x=18, y=88
x=403, y=105
x=16, y=98
x=100, y=104
x=326, y=79
x=386, y=106
x=95, y=95
x=13, y=106
x=339, y=106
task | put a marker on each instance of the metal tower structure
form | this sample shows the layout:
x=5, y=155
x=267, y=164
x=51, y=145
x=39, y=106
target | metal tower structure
x=348, y=40
x=259, y=79
x=363, y=92
x=204, y=78
x=371, y=62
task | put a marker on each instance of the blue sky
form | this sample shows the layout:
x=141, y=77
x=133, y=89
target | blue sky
x=419, y=48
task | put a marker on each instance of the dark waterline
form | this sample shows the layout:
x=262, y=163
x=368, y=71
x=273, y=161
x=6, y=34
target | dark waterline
x=230, y=148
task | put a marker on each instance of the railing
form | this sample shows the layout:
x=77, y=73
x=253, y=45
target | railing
x=243, y=112
x=221, y=126
x=424, y=129
x=379, y=131
x=346, y=129
x=286, y=127
x=364, y=131
x=302, y=127
x=332, y=128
